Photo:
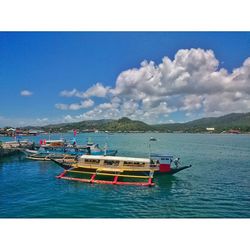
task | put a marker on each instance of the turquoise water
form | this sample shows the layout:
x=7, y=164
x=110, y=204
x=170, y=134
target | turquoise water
x=217, y=186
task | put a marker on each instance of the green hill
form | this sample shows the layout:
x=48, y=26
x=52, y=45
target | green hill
x=123, y=124
x=239, y=121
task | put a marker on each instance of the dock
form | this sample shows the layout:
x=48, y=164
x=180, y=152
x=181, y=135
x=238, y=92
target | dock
x=4, y=152
x=13, y=148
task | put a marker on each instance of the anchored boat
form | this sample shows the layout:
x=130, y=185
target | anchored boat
x=59, y=149
x=117, y=170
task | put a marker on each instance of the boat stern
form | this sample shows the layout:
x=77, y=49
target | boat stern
x=164, y=161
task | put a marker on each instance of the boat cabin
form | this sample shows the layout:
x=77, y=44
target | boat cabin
x=164, y=161
x=113, y=161
x=161, y=163
x=52, y=143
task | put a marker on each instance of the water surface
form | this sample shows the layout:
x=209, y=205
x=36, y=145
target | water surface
x=217, y=186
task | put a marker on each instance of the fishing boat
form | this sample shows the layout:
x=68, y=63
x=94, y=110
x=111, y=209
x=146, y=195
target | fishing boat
x=117, y=169
x=58, y=149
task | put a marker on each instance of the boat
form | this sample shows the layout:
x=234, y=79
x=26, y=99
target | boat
x=117, y=170
x=58, y=149
x=48, y=156
x=152, y=138
x=52, y=143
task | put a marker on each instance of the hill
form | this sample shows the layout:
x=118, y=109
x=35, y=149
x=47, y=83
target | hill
x=239, y=121
x=123, y=124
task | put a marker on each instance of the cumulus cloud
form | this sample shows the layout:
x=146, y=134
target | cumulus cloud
x=192, y=82
x=26, y=93
x=97, y=90
x=75, y=106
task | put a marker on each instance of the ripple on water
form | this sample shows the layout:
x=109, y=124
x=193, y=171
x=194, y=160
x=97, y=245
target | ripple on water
x=216, y=186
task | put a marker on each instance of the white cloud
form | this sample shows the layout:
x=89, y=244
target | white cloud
x=66, y=93
x=97, y=90
x=42, y=121
x=75, y=106
x=82, y=105
x=192, y=103
x=192, y=82
x=61, y=106
x=26, y=93
x=69, y=118
x=22, y=121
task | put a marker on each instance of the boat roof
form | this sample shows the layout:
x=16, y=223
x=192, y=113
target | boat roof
x=161, y=155
x=115, y=158
x=59, y=140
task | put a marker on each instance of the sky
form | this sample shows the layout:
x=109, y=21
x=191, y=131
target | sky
x=156, y=77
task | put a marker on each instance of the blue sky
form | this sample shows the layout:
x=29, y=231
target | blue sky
x=208, y=78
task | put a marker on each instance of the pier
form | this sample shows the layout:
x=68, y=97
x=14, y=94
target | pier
x=13, y=148
x=8, y=151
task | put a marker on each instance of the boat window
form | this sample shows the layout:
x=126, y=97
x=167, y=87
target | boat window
x=92, y=161
x=128, y=163
x=134, y=163
x=110, y=162
x=164, y=159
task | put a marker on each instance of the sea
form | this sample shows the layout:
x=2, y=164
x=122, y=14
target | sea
x=216, y=186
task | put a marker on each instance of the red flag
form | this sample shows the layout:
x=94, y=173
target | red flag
x=74, y=132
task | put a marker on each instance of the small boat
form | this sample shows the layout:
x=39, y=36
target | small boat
x=152, y=139
x=57, y=150
x=34, y=155
x=117, y=169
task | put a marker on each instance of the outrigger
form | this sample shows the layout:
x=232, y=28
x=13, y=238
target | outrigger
x=116, y=169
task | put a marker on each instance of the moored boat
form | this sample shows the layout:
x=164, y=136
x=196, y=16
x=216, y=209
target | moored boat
x=58, y=149
x=119, y=170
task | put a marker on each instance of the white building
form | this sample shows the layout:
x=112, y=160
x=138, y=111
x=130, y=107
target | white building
x=210, y=129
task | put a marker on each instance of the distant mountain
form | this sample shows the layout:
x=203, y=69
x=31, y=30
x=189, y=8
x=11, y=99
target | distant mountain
x=239, y=121
x=123, y=124
x=235, y=120
x=83, y=125
x=231, y=121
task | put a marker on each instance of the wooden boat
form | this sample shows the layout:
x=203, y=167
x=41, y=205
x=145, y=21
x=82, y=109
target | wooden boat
x=116, y=169
x=34, y=155
x=57, y=151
